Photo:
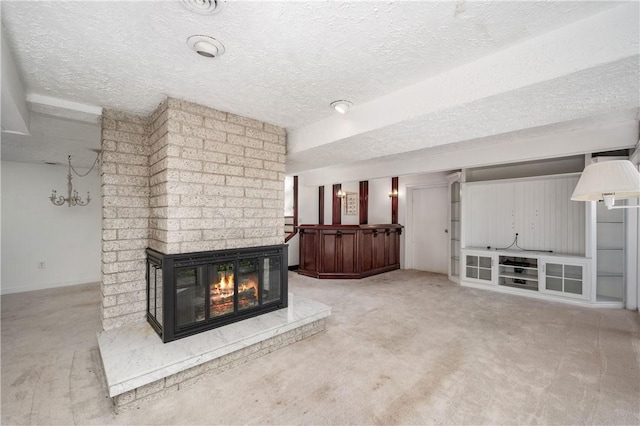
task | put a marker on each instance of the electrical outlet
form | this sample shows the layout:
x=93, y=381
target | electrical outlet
x=42, y=265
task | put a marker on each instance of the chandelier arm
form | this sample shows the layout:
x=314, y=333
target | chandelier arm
x=79, y=201
x=59, y=201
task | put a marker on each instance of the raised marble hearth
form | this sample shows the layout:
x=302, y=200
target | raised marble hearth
x=139, y=367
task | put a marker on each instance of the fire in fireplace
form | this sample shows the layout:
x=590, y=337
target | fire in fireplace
x=223, y=289
x=190, y=293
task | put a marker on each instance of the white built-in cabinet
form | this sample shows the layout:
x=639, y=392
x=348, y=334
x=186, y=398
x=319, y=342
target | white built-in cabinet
x=549, y=260
x=534, y=274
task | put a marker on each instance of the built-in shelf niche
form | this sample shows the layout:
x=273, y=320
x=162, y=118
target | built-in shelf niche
x=518, y=272
x=610, y=238
x=455, y=230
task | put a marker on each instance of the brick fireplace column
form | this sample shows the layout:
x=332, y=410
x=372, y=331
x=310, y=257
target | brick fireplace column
x=125, y=217
x=188, y=178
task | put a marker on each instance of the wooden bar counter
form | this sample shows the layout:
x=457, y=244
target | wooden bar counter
x=348, y=251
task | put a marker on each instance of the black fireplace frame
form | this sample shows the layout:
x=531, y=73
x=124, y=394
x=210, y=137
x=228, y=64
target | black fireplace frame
x=169, y=330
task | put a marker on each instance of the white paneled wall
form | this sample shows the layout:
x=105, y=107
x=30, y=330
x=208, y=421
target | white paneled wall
x=538, y=209
x=488, y=215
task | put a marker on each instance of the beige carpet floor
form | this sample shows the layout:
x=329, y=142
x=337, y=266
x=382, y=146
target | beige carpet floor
x=406, y=347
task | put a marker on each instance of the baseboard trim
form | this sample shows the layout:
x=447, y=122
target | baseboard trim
x=45, y=286
x=294, y=267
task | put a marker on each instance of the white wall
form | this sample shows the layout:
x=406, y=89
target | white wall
x=293, y=251
x=633, y=246
x=307, y=203
x=352, y=219
x=67, y=239
x=307, y=214
x=379, y=201
x=288, y=195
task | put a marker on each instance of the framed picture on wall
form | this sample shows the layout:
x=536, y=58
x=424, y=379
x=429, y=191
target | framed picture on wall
x=351, y=203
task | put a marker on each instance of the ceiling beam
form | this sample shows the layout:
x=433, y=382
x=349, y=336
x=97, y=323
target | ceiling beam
x=506, y=150
x=15, y=114
x=63, y=108
x=538, y=70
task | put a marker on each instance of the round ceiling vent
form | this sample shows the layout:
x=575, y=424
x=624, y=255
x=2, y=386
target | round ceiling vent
x=205, y=46
x=205, y=7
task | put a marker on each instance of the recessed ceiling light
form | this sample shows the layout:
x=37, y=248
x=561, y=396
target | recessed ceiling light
x=205, y=46
x=341, y=106
x=205, y=7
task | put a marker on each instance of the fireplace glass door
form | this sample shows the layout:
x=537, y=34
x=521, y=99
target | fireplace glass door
x=193, y=292
x=189, y=296
x=222, y=289
x=272, y=285
x=154, y=291
x=248, y=283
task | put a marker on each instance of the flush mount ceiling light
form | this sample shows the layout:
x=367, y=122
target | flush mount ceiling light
x=341, y=106
x=205, y=7
x=608, y=181
x=205, y=46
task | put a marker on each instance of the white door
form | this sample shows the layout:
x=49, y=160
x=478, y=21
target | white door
x=429, y=229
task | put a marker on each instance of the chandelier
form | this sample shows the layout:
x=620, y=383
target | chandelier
x=72, y=195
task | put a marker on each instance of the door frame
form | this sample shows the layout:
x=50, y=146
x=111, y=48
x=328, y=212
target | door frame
x=408, y=241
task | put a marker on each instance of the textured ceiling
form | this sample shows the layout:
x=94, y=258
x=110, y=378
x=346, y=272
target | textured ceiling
x=284, y=61
x=52, y=139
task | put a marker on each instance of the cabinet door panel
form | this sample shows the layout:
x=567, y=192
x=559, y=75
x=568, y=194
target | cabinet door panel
x=379, y=254
x=484, y=274
x=554, y=284
x=394, y=248
x=472, y=272
x=308, y=250
x=347, y=246
x=566, y=279
x=329, y=254
x=366, y=250
x=573, y=286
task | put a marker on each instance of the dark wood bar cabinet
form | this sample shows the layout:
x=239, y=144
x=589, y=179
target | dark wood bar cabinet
x=349, y=251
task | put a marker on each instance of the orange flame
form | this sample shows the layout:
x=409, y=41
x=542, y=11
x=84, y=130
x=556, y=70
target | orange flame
x=226, y=282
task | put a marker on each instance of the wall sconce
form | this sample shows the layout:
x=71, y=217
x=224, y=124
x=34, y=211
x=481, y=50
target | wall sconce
x=608, y=181
x=341, y=194
x=393, y=194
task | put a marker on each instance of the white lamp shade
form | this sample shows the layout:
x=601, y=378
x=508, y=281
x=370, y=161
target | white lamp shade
x=619, y=178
